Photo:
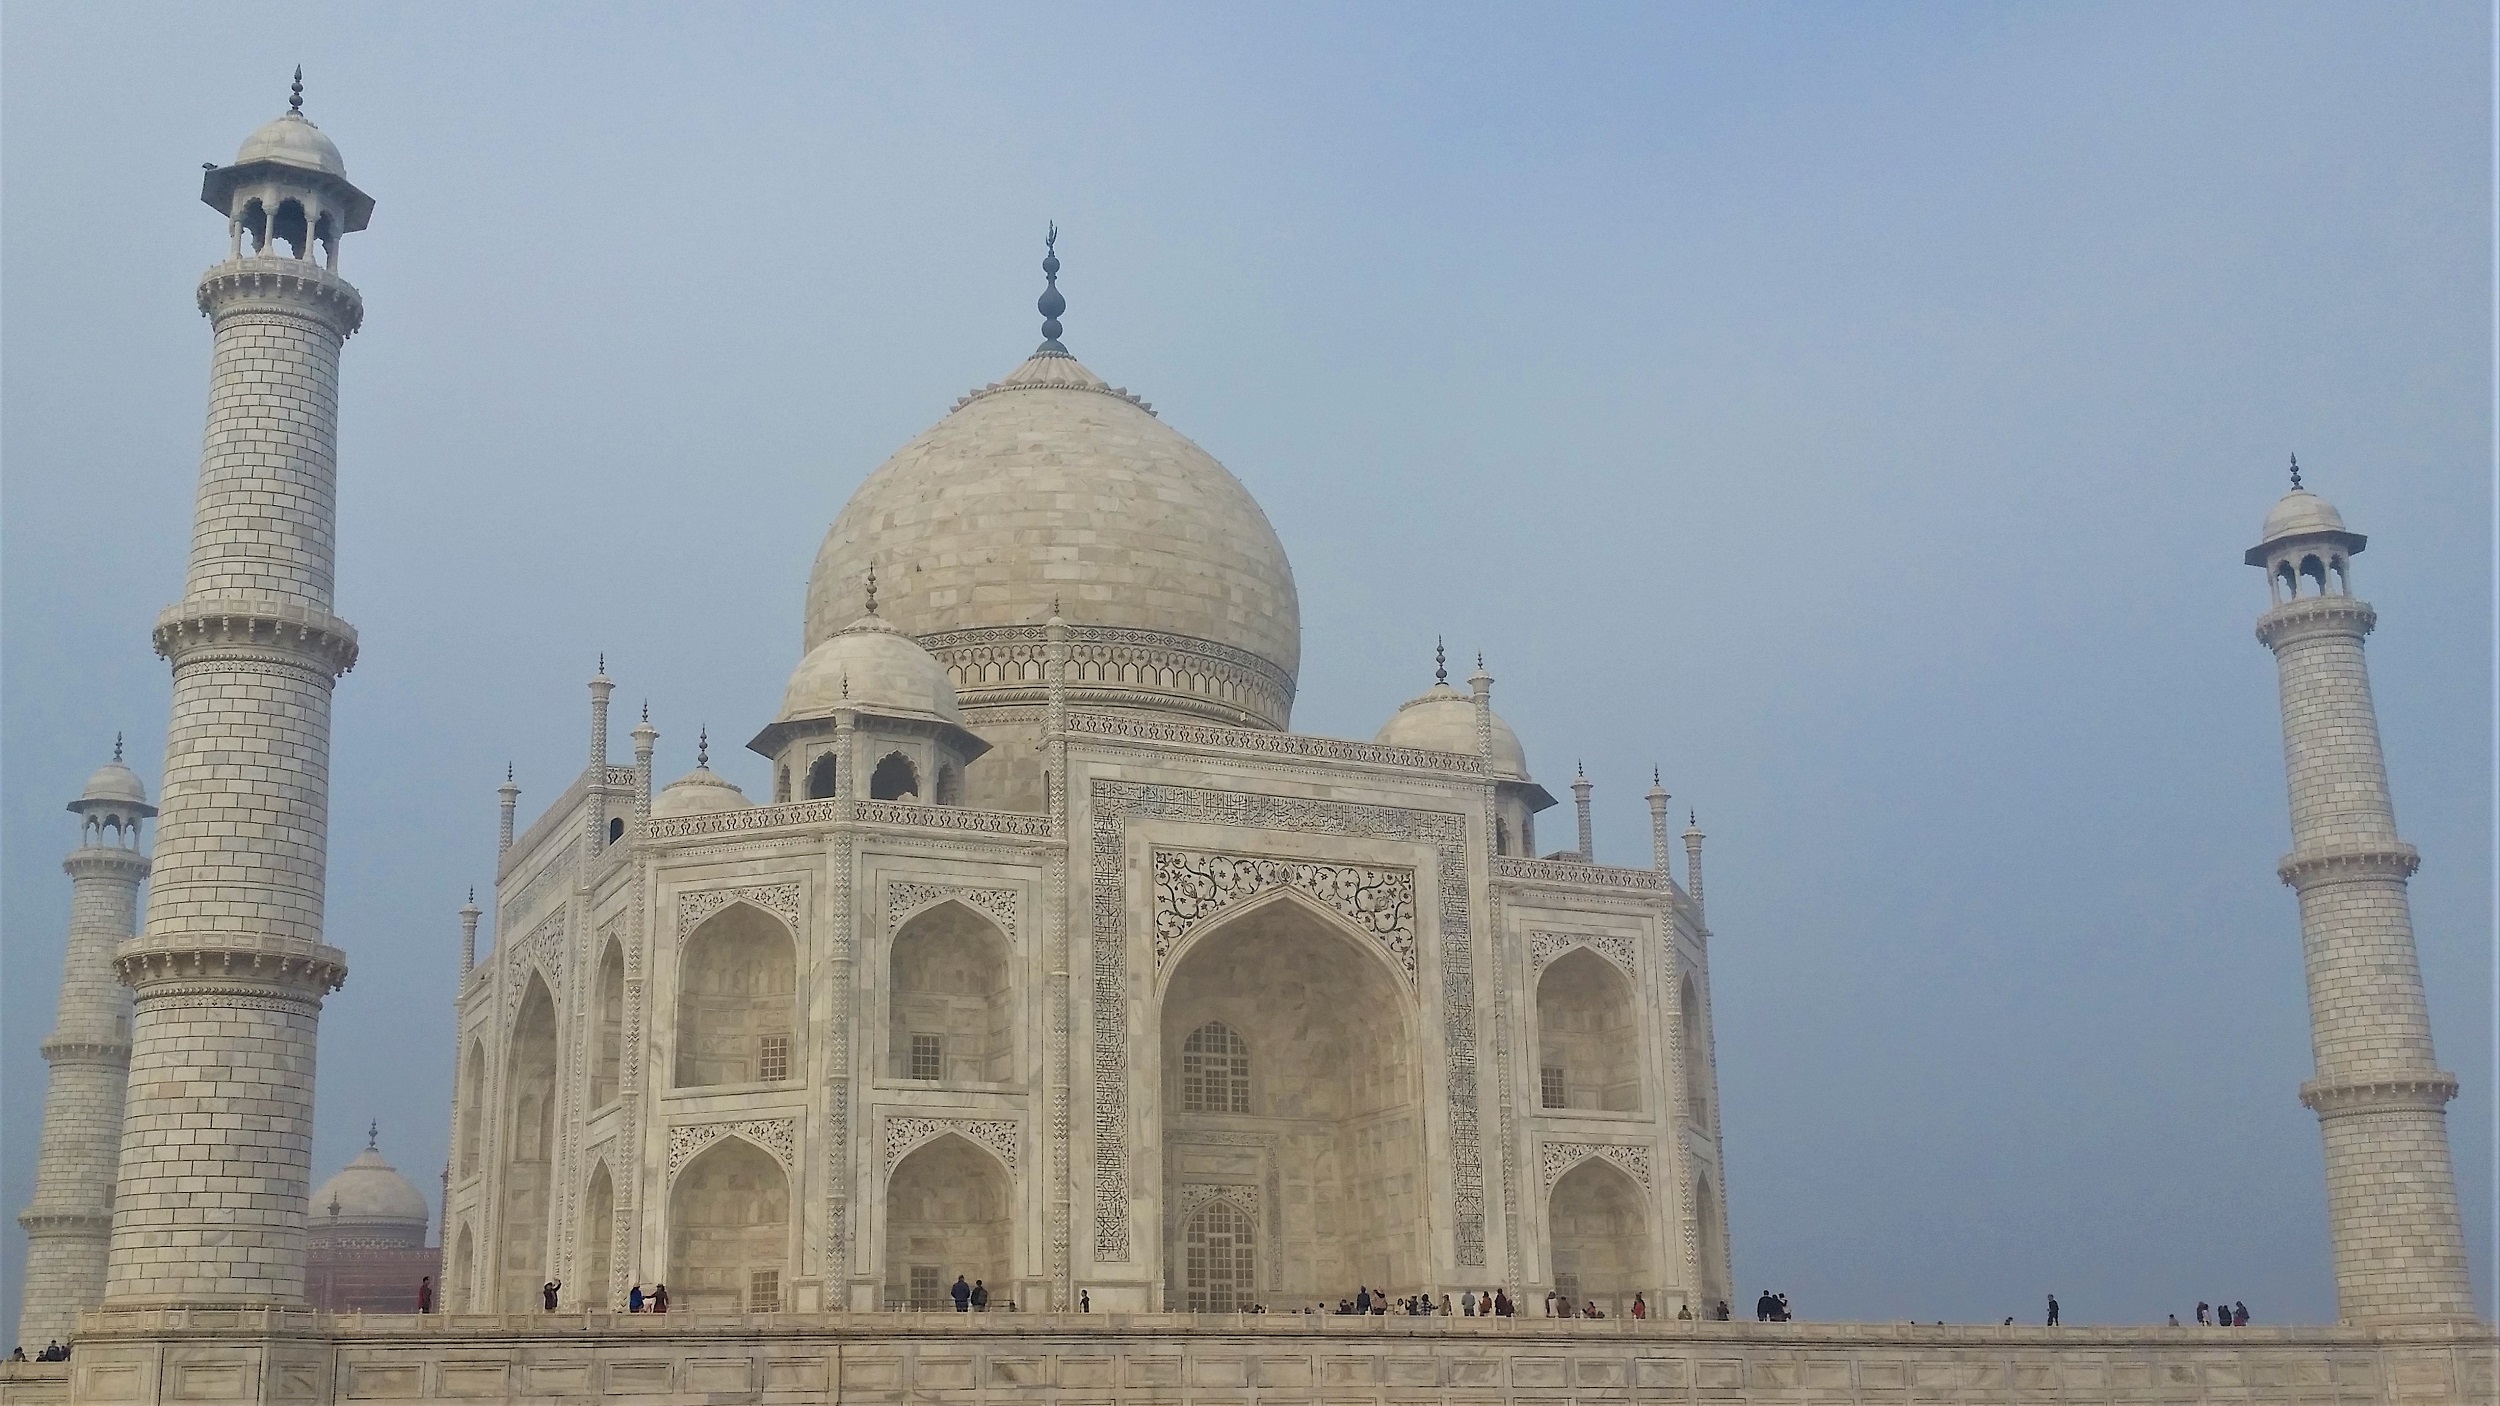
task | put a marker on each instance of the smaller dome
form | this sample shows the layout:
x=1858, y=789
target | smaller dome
x=369, y=1200
x=292, y=140
x=874, y=668
x=1444, y=720
x=698, y=792
x=2300, y=513
x=115, y=785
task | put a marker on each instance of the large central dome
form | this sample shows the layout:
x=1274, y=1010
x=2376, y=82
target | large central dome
x=1051, y=490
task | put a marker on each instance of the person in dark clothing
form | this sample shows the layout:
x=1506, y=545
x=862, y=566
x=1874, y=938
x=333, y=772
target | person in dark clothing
x=425, y=1294
x=659, y=1299
x=962, y=1294
x=633, y=1299
x=2239, y=1314
x=980, y=1297
x=2052, y=1310
x=1762, y=1307
x=2204, y=1312
x=1362, y=1300
x=550, y=1291
x=1084, y=1300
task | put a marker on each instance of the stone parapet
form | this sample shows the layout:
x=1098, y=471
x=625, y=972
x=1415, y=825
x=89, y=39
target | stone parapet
x=2307, y=617
x=1242, y=1359
x=2429, y=1090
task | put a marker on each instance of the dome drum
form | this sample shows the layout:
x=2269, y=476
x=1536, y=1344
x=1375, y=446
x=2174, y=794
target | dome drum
x=1112, y=666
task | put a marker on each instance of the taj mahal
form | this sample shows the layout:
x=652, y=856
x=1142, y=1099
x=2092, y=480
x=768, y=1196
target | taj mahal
x=1054, y=959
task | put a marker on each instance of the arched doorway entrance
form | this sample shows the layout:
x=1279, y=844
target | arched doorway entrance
x=948, y=1213
x=1598, y=1235
x=729, y=1230
x=1292, y=1093
x=529, y=1142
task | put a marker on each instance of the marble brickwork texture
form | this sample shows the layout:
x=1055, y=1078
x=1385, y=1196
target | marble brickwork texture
x=69, y=1223
x=2379, y=1093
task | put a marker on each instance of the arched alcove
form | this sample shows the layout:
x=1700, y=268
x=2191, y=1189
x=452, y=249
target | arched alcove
x=596, y=1237
x=473, y=1109
x=1589, y=1031
x=460, y=1291
x=529, y=1139
x=737, y=1001
x=952, y=1016
x=1323, y=1029
x=607, y=1037
x=1597, y=1234
x=1693, y=1046
x=729, y=1230
x=948, y=1212
x=895, y=779
x=820, y=778
x=1219, y=1258
x=1710, y=1243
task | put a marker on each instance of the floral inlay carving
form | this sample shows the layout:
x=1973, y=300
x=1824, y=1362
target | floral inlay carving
x=542, y=951
x=1543, y=947
x=999, y=1135
x=910, y=896
x=1192, y=887
x=780, y=900
x=778, y=1136
x=1556, y=1158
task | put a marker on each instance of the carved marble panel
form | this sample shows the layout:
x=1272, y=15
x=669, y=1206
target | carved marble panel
x=780, y=900
x=1193, y=887
x=1556, y=1158
x=778, y=1136
x=905, y=898
x=1000, y=1135
x=1544, y=947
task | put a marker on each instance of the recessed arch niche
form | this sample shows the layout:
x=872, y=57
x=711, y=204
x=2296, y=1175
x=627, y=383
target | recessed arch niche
x=529, y=1138
x=1588, y=1031
x=607, y=1061
x=737, y=1000
x=1334, y=1110
x=729, y=1230
x=951, y=998
x=949, y=1212
x=597, y=1237
x=1597, y=1233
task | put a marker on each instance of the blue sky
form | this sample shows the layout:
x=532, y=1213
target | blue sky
x=1857, y=412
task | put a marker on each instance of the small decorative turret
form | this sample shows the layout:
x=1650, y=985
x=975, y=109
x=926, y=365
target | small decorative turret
x=595, y=812
x=1692, y=863
x=469, y=914
x=1658, y=799
x=510, y=791
x=646, y=740
x=1580, y=785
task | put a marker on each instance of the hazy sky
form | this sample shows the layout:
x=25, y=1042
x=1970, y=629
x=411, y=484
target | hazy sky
x=1858, y=412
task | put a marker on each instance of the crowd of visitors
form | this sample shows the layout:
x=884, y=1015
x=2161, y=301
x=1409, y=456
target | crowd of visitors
x=1770, y=1308
x=57, y=1352
x=2220, y=1315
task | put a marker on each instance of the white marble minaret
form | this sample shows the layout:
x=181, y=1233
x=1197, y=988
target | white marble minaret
x=70, y=1222
x=230, y=971
x=2379, y=1094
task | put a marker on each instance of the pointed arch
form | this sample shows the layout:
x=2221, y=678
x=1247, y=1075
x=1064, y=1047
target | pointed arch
x=1709, y=1242
x=1303, y=904
x=460, y=1291
x=729, y=1229
x=528, y=1138
x=1693, y=1051
x=1219, y=1257
x=607, y=1033
x=949, y=1211
x=737, y=1001
x=1588, y=1035
x=895, y=779
x=473, y=1108
x=820, y=778
x=1597, y=1234
x=951, y=997
x=597, y=1237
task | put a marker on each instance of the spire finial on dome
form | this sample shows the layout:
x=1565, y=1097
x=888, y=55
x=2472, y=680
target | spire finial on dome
x=295, y=98
x=1051, y=304
x=2295, y=473
x=703, y=748
x=373, y=1136
x=507, y=771
x=1440, y=661
x=117, y=746
x=872, y=588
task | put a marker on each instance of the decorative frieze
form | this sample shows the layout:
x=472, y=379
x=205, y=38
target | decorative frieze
x=1570, y=873
x=1278, y=744
x=542, y=951
x=902, y=899
x=780, y=900
x=1192, y=887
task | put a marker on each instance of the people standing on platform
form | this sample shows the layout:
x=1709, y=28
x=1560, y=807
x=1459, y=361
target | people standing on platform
x=659, y=1299
x=549, y=1293
x=633, y=1300
x=2052, y=1310
x=961, y=1294
x=425, y=1294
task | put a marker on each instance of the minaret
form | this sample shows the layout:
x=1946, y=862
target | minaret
x=1658, y=798
x=509, y=794
x=646, y=741
x=1580, y=802
x=1692, y=861
x=469, y=914
x=2380, y=1095
x=69, y=1225
x=230, y=971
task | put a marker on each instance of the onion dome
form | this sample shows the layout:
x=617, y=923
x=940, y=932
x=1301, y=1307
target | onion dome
x=1052, y=492
x=369, y=1203
x=701, y=791
x=1442, y=719
x=115, y=787
x=292, y=151
x=292, y=140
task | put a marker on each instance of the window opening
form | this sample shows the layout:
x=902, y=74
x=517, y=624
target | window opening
x=764, y=1291
x=1220, y=1258
x=928, y=1288
x=1550, y=1085
x=616, y=829
x=820, y=778
x=772, y=1058
x=1215, y=1071
x=928, y=1057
